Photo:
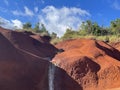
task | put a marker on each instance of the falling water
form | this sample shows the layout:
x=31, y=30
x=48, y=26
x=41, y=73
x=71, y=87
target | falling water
x=51, y=74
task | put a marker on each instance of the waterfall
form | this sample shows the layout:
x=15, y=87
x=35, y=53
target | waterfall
x=51, y=74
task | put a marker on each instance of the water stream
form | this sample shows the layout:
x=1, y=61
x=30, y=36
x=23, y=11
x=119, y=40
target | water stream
x=51, y=74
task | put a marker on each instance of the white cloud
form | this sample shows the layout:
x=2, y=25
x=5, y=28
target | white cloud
x=27, y=12
x=18, y=13
x=6, y=23
x=116, y=5
x=6, y=2
x=58, y=19
x=13, y=24
x=18, y=24
x=36, y=9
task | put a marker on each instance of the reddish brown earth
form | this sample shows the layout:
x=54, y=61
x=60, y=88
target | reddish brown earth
x=29, y=42
x=85, y=64
x=116, y=45
x=20, y=67
x=94, y=65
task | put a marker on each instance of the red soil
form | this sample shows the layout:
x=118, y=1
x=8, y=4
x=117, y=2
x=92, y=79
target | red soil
x=29, y=43
x=116, y=45
x=94, y=65
x=20, y=67
x=85, y=64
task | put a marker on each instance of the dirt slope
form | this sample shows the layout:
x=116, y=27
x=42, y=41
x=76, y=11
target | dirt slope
x=26, y=42
x=85, y=64
x=94, y=65
x=19, y=69
x=116, y=45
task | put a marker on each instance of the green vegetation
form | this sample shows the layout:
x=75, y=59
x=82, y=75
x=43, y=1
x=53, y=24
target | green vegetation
x=27, y=25
x=87, y=29
x=39, y=28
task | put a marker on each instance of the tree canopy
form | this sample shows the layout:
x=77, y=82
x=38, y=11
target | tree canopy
x=27, y=25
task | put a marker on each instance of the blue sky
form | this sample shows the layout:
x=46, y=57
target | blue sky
x=57, y=15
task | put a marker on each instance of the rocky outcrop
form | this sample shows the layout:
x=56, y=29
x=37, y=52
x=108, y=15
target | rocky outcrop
x=94, y=65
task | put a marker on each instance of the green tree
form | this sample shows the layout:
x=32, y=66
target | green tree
x=96, y=30
x=36, y=28
x=43, y=30
x=69, y=34
x=53, y=35
x=27, y=25
x=83, y=29
x=89, y=26
x=115, y=26
x=83, y=26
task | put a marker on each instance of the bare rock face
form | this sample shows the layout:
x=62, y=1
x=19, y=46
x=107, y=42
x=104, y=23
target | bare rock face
x=94, y=65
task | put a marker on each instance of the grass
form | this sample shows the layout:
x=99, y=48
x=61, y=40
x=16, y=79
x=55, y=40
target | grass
x=56, y=40
x=111, y=38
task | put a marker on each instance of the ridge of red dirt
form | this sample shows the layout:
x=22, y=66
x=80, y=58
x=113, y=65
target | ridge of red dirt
x=20, y=70
x=116, y=45
x=93, y=64
x=28, y=42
